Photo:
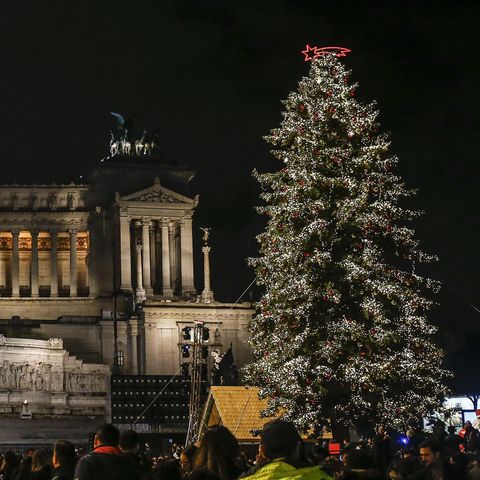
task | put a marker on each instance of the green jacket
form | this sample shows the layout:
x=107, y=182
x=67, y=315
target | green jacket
x=278, y=470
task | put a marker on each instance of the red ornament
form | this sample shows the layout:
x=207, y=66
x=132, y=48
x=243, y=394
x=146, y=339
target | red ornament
x=317, y=152
x=306, y=254
x=301, y=107
x=362, y=354
x=329, y=93
x=352, y=93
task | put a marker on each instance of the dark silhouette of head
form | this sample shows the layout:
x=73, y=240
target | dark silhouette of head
x=279, y=438
x=129, y=441
x=107, y=435
x=63, y=453
x=218, y=452
x=41, y=458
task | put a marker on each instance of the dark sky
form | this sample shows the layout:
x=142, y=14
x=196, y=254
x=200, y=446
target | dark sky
x=209, y=77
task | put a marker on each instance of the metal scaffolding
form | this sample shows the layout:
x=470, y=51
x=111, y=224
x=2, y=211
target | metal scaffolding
x=196, y=383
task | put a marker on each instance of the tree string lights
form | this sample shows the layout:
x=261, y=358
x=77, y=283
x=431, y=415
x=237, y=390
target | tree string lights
x=341, y=335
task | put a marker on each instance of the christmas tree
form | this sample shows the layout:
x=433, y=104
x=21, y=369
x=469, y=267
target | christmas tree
x=341, y=335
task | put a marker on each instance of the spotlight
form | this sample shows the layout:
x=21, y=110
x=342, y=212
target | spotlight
x=186, y=333
x=185, y=351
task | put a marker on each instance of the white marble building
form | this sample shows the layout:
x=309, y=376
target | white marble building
x=74, y=257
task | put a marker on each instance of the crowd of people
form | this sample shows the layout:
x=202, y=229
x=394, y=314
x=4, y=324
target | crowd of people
x=281, y=455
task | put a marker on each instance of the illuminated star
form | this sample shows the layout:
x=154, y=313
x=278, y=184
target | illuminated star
x=338, y=51
x=310, y=53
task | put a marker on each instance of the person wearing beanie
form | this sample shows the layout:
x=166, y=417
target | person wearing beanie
x=278, y=456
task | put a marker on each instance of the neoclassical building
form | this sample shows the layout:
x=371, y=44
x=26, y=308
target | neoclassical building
x=77, y=260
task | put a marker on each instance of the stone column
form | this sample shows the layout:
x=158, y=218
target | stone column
x=166, y=281
x=153, y=254
x=173, y=255
x=140, y=291
x=186, y=249
x=34, y=265
x=125, y=257
x=73, y=262
x=147, y=285
x=53, y=263
x=15, y=265
x=207, y=294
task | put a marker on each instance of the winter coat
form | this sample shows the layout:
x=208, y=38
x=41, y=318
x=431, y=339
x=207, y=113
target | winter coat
x=104, y=463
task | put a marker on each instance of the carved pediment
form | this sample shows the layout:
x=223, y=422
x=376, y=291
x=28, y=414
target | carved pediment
x=157, y=194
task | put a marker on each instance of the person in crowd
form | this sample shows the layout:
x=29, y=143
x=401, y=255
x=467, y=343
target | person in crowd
x=186, y=459
x=413, y=441
x=451, y=443
x=279, y=447
x=434, y=465
x=382, y=449
x=473, y=471
x=203, y=474
x=63, y=460
x=219, y=452
x=41, y=465
x=470, y=438
x=106, y=461
x=129, y=444
x=362, y=463
x=23, y=471
x=167, y=469
x=9, y=464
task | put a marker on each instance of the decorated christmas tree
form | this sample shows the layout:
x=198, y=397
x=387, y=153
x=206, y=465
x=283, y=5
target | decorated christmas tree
x=341, y=335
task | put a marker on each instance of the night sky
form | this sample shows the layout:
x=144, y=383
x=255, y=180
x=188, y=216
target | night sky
x=209, y=77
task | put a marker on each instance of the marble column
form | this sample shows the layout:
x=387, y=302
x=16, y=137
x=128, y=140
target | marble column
x=53, y=263
x=147, y=285
x=153, y=254
x=186, y=251
x=140, y=291
x=73, y=262
x=173, y=255
x=207, y=294
x=34, y=265
x=125, y=254
x=166, y=281
x=15, y=264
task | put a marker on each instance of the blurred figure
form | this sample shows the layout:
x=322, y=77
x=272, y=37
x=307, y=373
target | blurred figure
x=9, y=464
x=63, y=460
x=279, y=445
x=382, y=449
x=186, y=459
x=129, y=444
x=362, y=463
x=23, y=471
x=434, y=466
x=452, y=441
x=470, y=438
x=167, y=469
x=219, y=452
x=106, y=461
x=41, y=465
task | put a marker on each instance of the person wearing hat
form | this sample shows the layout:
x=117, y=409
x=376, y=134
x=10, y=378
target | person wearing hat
x=278, y=456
